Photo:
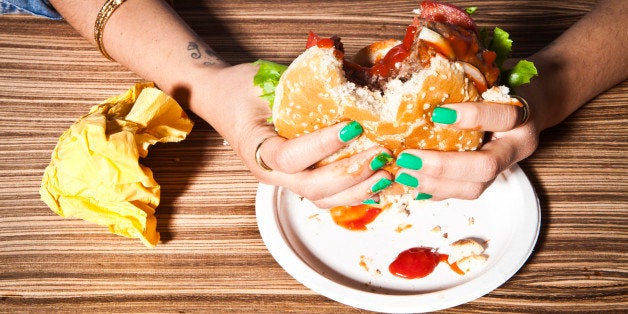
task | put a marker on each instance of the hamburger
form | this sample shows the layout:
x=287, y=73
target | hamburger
x=391, y=87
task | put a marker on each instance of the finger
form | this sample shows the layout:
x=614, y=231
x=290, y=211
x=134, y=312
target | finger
x=464, y=175
x=439, y=189
x=322, y=182
x=474, y=166
x=486, y=116
x=358, y=193
x=477, y=166
x=295, y=155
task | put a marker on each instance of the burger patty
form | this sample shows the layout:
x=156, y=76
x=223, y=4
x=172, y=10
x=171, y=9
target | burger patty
x=463, y=42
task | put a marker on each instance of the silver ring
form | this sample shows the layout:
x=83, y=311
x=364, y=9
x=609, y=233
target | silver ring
x=525, y=107
x=258, y=156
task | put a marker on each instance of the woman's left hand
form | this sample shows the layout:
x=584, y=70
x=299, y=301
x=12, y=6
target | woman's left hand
x=465, y=175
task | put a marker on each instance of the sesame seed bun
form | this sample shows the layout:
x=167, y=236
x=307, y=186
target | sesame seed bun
x=320, y=88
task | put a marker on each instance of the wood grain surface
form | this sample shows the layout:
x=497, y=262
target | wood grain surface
x=212, y=258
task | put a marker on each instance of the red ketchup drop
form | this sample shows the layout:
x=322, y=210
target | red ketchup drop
x=416, y=262
x=354, y=217
x=419, y=262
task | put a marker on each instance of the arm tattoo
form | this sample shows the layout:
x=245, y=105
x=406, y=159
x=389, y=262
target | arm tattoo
x=193, y=47
x=210, y=57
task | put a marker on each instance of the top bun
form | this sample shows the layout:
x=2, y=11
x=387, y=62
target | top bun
x=314, y=93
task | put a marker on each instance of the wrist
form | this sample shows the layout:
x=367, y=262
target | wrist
x=545, y=93
x=227, y=99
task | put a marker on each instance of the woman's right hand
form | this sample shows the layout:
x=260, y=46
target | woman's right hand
x=241, y=118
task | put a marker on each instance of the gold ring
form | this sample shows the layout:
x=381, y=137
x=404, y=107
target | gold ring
x=525, y=107
x=258, y=156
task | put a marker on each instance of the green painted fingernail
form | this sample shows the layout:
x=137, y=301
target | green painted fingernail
x=380, y=161
x=407, y=180
x=444, y=115
x=350, y=131
x=380, y=185
x=370, y=201
x=423, y=196
x=409, y=161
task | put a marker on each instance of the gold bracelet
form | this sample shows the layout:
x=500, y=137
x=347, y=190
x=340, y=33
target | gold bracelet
x=103, y=16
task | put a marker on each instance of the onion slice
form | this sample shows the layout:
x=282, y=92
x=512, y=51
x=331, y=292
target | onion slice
x=437, y=41
x=476, y=76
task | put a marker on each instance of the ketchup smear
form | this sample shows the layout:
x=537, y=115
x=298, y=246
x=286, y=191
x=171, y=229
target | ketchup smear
x=395, y=54
x=419, y=262
x=314, y=40
x=354, y=217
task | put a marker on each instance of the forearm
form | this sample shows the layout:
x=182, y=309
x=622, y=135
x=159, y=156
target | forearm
x=151, y=40
x=586, y=60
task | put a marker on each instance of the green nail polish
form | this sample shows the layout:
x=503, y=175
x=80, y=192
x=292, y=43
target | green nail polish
x=423, y=196
x=407, y=180
x=409, y=161
x=350, y=131
x=444, y=115
x=380, y=185
x=380, y=161
x=370, y=201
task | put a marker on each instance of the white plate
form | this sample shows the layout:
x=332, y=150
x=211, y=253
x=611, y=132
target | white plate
x=351, y=267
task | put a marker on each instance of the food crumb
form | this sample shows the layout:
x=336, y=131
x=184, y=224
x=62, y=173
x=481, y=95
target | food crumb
x=436, y=229
x=363, y=263
x=402, y=227
x=471, y=221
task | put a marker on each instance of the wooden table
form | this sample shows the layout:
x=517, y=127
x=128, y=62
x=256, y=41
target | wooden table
x=212, y=258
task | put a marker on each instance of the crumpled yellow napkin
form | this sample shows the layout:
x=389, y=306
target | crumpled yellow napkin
x=95, y=174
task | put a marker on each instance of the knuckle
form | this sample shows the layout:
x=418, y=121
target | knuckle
x=490, y=168
x=286, y=161
x=305, y=191
x=473, y=191
x=436, y=167
x=472, y=116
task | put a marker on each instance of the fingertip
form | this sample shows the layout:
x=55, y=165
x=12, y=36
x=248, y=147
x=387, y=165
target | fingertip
x=380, y=160
x=444, y=115
x=350, y=131
x=423, y=196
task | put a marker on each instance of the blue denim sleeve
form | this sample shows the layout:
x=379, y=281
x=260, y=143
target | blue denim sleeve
x=35, y=7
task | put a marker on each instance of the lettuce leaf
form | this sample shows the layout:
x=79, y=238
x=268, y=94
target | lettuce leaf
x=518, y=75
x=521, y=73
x=471, y=10
x=501, y=44
x=267, y=78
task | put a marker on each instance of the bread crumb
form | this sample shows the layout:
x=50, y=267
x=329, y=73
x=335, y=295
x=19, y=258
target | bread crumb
x=470, y=263
x=471, y=221
x=467, y=254
x=402, y=227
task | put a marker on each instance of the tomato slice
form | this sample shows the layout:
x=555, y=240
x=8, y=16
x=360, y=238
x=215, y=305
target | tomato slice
x=446, y=13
